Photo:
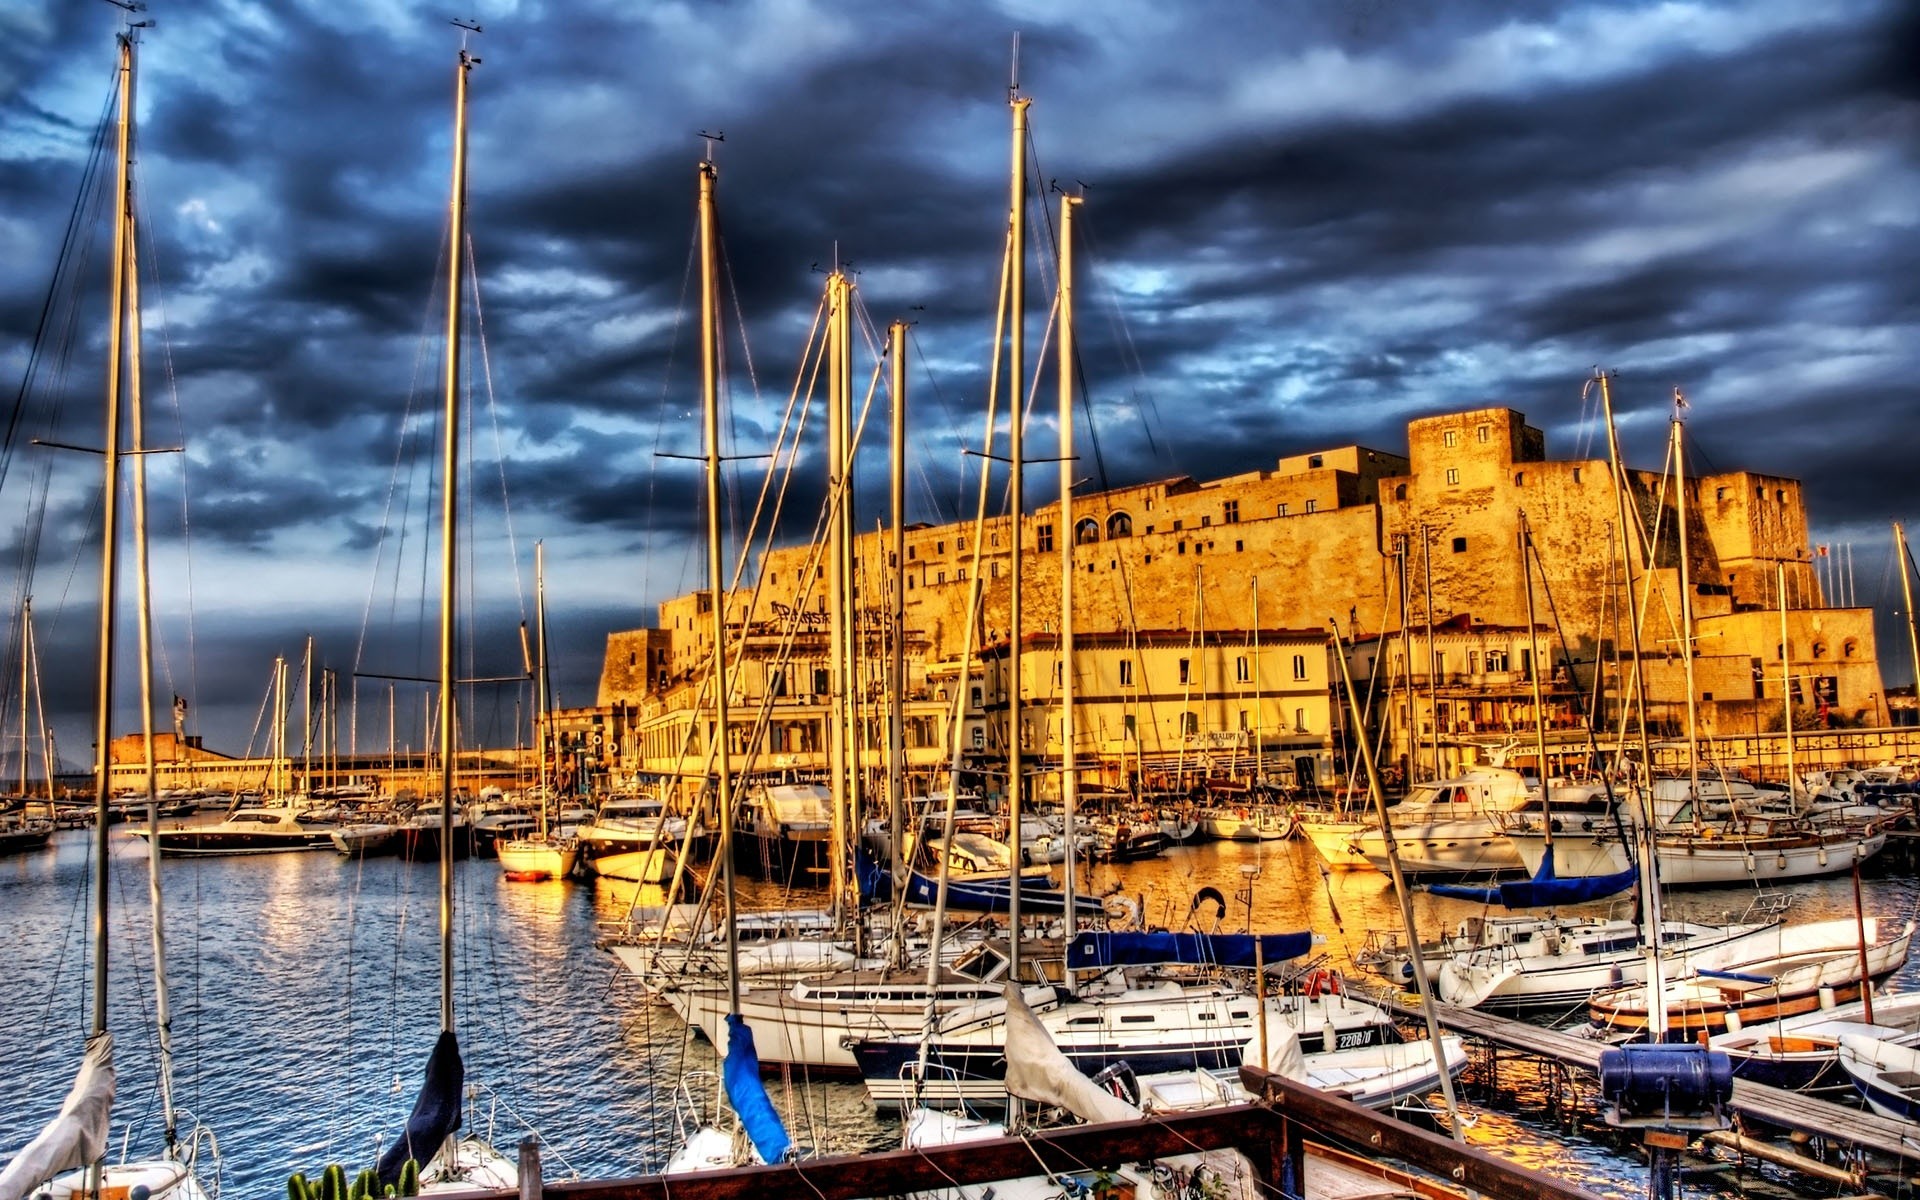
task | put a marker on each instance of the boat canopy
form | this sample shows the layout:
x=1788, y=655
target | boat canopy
x=1209, y=949
x=1543, y=890
x=748, y=1095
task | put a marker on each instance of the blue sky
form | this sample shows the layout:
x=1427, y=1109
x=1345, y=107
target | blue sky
x=1305, y=223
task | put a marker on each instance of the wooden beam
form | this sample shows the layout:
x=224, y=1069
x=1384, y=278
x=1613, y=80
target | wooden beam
x=1080, y=1149
x=1325, y=1115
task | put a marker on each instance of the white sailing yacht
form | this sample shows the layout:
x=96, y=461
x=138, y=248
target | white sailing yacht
x=546, y=854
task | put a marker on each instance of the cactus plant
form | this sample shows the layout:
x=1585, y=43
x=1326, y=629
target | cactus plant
x=298, y=1188
x=410, y=1179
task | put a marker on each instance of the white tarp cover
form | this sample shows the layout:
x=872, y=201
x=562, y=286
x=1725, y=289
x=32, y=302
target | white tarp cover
x=1284, y=1056
x=800, y=804
x=1038, y=1071
x=78, y=1135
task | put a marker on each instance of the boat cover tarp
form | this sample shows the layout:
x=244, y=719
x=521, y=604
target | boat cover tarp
x=1284, y=1056
x=1544, y=890
x=75, y=1137
x=1211, y=949
x=1037, y=1071
x=748, y=1095
x=1037, y=895
x=436, y=1112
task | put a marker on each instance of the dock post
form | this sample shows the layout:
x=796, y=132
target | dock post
x=530, y=1187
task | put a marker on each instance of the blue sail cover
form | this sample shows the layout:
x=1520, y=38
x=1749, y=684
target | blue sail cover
x=748, y=1095
x=873, y=879
x=1209, y=949
x=436, y=1113
x=1543, y=890
x=1038, y=894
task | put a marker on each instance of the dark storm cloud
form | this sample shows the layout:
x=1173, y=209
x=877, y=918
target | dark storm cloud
x=1306, y=223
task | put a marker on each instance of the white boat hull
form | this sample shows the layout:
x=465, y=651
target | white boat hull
x=1700, y=860
x=538, y=860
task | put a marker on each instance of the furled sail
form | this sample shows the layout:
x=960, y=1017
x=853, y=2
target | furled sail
x=1543, y=890
x=748, y=1095
x=1088, y=950
x=436, y=1112
x=1037, y=1071
x=78, y=1135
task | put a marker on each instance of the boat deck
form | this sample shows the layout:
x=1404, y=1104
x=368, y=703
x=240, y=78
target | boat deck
x=1775, y=1106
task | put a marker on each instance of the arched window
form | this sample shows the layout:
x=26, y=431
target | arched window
x=1819, y=649
x=1849, y=648
x=1119, y=525
x=1086, y=531
x=1399, y=491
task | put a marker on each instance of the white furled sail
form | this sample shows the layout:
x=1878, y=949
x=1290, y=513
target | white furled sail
x=1038, y=1071
x=77, y=1136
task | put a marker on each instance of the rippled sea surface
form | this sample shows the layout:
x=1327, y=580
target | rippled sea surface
x=305, y=993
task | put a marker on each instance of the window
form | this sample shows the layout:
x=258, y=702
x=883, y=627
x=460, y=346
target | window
x=1459, y=545
x=1453, y=474
x=979, y=737
x=1119, y=525
x=1314, y=462
x=1399, y=491
x=1147, y=559
x=1280, y=510
x=940, y=577
x=909, y=583
x=1496, y=660
x=1313, y=506
x=913, y=552
x=939, y=547
x=1230, y=512
x=1240, y=669
x=1450, y=438
x=1299, y=666
x=1780, y=495
x=1243, y=720
x=1576, y=474
x=1185, y=672
x=1179, y=525
x=1183, y=546
x=994, y=540
x=1189, y=724
x=776, y=683
x=1519, y=479
x=1719, y=493
x=1483, y=432
x=1759, y=493
x=1058, y=671
x=1126, y=673
x=1819, y=649
x=633, y=659
x=961, y=545
x=1132, y=731
x=976, y=697
x=1300, y=720
x=1206, y=520
x=819, y=681
x=961, y=575
x=1238, y=545
x=995, y=572
x=1849, y=648
x=1043, y=537
x=1086, y=531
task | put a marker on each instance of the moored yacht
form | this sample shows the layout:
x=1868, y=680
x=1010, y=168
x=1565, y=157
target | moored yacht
x=252, y=829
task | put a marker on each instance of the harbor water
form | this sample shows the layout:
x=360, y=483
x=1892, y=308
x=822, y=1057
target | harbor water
x=305, y=998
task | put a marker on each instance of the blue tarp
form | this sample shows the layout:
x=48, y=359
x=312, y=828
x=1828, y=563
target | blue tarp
x=1212, y=949
x=1038, y=895
x=1543, y=890
x=436, y=1113
x=748, y=1095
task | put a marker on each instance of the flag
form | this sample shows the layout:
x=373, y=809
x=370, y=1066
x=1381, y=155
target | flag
x=1820, y=550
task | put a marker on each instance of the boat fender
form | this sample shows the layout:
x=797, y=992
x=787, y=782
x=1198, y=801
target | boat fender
x=1321, y=981
x=1203, y=896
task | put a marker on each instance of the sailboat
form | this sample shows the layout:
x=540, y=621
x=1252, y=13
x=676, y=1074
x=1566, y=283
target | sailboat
x=75, y=1141
x=545, y=855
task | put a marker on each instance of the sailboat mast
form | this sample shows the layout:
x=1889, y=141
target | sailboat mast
x=897, y=666
x=1686, y=613
x=110, y=537
x=1069, y=730
x=1649, y=875
x=1786, y=673
x=1016, y=417
x=1906, y=593
x=1433, y=658
x=1539, y=702
x=449, y=517
x=845, y=770
x=710, y=413
x=540, y=698
x=26, y=650
x=1259, y=750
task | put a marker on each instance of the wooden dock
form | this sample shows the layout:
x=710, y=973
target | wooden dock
x=1793, y=1111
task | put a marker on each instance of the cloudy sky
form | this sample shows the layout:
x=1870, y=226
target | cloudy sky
x=1305, y=223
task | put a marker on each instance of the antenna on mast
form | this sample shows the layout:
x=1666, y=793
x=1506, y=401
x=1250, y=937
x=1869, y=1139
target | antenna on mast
x=711, y=139
x=470, y=26
x=1013, y=80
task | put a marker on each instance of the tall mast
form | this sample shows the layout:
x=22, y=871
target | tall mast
x=110, y=537
x=540, y=697
x=1906, y=593
x=306, y=718
x=710, y=412
x=26, y=650
x=1686, y=611
x=1259, y=750
x=1786, y=675
x=277, y=782
x=1433, y=658
x=1649, y=875
x=1016, y=417
x=1405, y=571
x=1069, y=732
x=1539, y=702
x=449, y=525
x=897, y=666
x=843, y=744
